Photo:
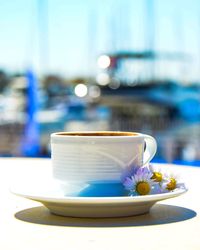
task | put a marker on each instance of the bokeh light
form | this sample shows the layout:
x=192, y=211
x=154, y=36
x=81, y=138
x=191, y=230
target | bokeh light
x=94, y=91
x=104, y=62
x=81, y=90
x=103, y=79
x=115, y=84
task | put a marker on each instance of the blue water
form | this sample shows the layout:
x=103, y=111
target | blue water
x=179, y=162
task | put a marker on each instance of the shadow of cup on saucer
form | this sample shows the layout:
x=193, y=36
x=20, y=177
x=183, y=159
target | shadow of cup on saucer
x=159, y=214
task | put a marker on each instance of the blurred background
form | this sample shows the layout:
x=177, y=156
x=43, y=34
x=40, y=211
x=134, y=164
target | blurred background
x=129, y=65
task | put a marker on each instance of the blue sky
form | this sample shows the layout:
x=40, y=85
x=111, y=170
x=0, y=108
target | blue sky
x=78, y=31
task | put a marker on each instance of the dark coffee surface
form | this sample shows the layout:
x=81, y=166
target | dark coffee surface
x=103, y=133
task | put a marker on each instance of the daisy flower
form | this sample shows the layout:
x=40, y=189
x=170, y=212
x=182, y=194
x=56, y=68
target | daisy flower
x=157, y=174
x=140, y=183
x=171, y=182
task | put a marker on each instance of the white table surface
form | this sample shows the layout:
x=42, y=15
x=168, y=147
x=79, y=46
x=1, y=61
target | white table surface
x=26, y=225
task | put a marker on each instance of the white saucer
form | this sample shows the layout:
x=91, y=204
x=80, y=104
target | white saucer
x=50, y=195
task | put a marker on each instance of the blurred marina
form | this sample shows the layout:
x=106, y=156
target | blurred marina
x=126, y=88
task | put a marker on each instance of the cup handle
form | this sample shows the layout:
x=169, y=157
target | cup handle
x=150, y=150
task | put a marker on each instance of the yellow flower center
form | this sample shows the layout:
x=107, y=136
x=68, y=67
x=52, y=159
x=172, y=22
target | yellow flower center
x=143, y=188
x=171, y=185
x=157, y=176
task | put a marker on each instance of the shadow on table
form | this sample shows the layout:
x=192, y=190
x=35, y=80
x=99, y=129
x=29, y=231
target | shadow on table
x=159, y=214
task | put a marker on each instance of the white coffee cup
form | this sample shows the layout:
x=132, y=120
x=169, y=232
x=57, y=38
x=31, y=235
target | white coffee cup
x=103, y=156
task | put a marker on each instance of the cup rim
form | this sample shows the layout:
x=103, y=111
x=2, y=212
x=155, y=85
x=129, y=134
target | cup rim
x=93, y=134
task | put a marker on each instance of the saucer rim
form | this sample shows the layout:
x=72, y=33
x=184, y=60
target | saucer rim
x=100, y=200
